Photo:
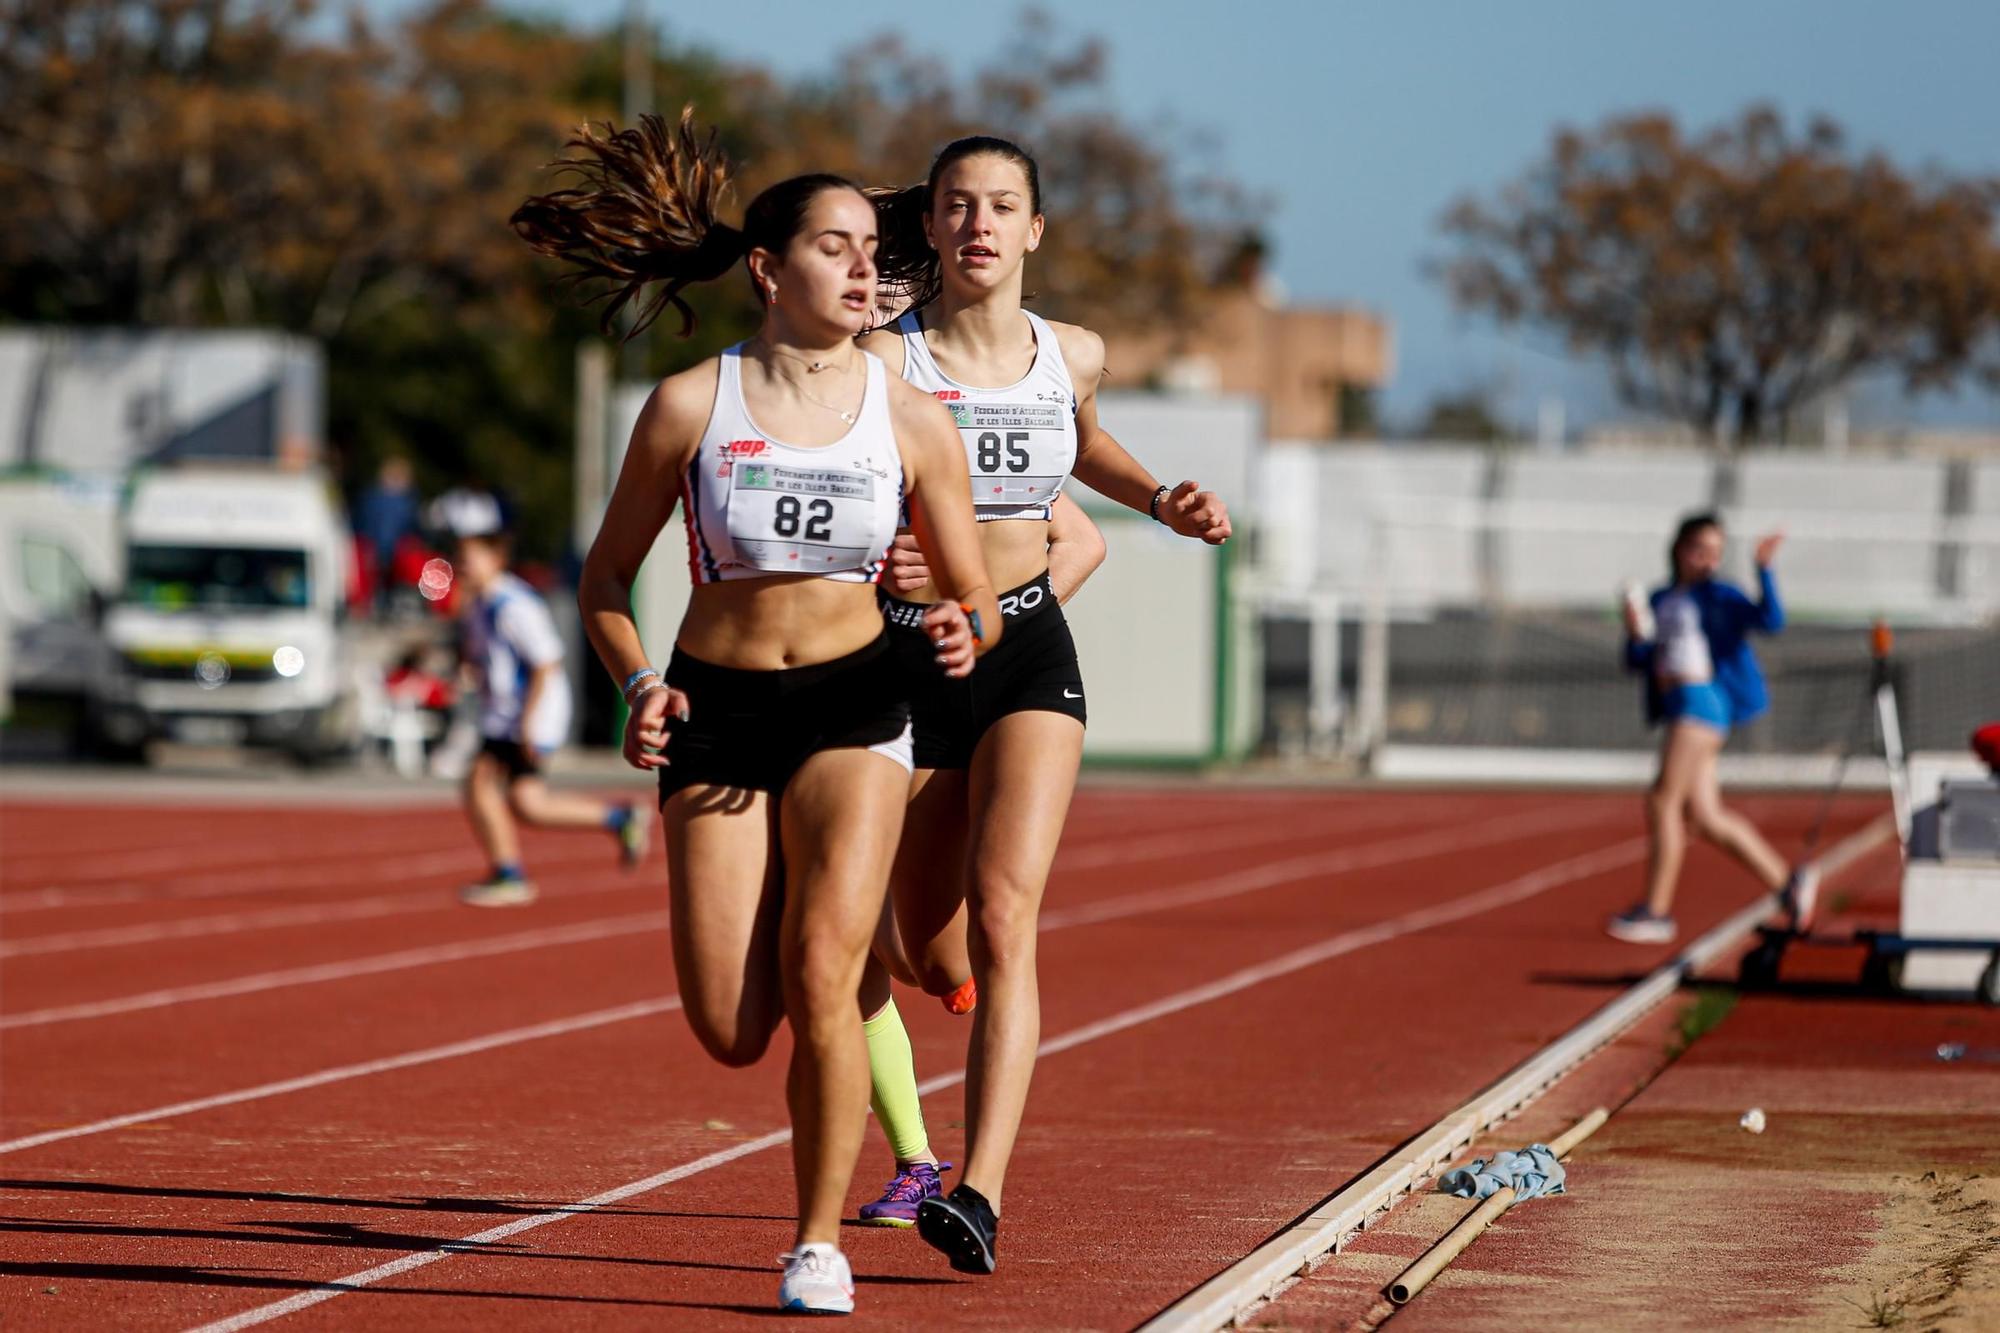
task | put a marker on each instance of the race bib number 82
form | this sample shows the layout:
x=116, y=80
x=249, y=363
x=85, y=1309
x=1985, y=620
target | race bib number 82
x=809, y=520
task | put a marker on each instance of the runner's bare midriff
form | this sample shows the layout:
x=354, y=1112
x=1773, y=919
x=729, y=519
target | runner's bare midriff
x=770, y=624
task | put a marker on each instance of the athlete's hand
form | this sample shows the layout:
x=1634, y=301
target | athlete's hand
x=646, y=728
x=1193, y=512
x=950, y=634
x=1767, y=548
x=1633, y=629
x=907, y=570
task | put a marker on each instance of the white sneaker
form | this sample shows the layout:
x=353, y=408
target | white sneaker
x=1640, y=926
x=817, y=1281
x=499, y=893
x=1800, y=895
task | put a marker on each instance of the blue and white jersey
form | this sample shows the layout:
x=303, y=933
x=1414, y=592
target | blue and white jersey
x=509, y=633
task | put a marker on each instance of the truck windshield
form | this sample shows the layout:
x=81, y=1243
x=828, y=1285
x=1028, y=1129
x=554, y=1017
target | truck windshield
x=169, y=578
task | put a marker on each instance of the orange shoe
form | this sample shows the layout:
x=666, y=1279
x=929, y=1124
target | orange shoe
x=963, y=1000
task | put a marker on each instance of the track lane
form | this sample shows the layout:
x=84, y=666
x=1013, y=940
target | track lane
x=557, y=1128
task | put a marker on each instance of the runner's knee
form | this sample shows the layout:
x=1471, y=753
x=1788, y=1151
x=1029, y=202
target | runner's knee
x=1006, y=918
x=731, y=1038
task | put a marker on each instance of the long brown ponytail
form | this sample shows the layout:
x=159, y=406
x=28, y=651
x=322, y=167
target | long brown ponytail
x=643, y=211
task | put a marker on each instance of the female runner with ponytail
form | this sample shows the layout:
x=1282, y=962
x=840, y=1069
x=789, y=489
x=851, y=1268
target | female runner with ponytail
x=780, y=735
x=996, y=763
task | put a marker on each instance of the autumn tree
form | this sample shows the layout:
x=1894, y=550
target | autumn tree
x=1731, y=279
x=242, y=162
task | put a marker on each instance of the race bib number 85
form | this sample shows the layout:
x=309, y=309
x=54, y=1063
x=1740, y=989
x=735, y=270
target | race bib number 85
x=1019, y=454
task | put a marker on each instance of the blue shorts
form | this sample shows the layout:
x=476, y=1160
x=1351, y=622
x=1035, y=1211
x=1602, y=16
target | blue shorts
x=1696, y=703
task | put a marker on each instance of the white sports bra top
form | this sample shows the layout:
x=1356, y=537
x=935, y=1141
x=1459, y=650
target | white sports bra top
x=756, y=506
x=1020, y=441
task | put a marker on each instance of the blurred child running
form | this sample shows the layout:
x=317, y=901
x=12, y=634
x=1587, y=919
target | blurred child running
x=514, y=657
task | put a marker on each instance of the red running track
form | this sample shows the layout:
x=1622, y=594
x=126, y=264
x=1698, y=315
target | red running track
x=260, y=1067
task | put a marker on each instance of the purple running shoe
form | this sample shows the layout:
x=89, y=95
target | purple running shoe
x=898, y=1205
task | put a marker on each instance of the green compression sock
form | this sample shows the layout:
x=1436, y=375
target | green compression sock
x=892, y=1073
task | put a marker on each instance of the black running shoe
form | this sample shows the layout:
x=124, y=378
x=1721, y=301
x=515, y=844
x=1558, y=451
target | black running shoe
x=963, y=1227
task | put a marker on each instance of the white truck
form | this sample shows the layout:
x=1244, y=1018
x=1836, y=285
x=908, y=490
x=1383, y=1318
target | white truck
x=59, y=565
x=229, y=629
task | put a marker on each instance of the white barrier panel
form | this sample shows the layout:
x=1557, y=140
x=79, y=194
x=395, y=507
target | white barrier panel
x=1435, y=564
x=1888, y=578
x=1217, y=441
x=1982, y=562
x=1651, y=492
x=1171, y=673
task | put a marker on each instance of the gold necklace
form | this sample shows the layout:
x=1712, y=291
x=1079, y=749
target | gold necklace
x=812, y=368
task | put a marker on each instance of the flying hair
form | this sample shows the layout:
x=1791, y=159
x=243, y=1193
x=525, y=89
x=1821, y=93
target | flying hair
x=644, y=209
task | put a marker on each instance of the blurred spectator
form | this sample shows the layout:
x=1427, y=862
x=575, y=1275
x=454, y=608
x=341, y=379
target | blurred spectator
x=470, y=509
x=383, y=517
x=410, y=683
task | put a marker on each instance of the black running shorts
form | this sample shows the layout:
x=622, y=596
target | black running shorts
x=1032, y=669
x=756, y=729
x=519, y=760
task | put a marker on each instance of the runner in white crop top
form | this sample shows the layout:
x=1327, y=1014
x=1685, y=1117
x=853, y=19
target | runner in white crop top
x=779, y=732
x=997, y=758
x=757, y=507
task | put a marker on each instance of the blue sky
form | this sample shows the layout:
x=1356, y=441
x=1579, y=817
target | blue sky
x=1364, y=118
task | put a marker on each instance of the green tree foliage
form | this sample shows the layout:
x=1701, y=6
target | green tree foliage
x=1728, y=280
x=241, y=162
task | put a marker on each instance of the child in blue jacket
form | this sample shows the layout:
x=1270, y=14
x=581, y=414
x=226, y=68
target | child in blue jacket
x=1701, y=680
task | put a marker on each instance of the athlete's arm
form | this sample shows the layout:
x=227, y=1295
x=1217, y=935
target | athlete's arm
x=941, y=519
x=649, y=485
x=1104, y=465
x=1076, y=548
x=907, y=571
x=1770, y=611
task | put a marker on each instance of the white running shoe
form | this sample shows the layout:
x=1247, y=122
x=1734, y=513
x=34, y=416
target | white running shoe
x=499, y=893
x=817, y=1281
x=1639, y=926
x=1800, y=895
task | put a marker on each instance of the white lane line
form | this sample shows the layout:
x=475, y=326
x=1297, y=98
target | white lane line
x=439, y=899
x=1501, y=829
x=196, y=885
x=339, y=1073
x=472, y=1244
x=1183, y=841
x=235, y=855
x=579, y=933
x=1417, y=846
x=279, y=879
x=1500, y=895
x=199, y=883
x=1127, y=849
